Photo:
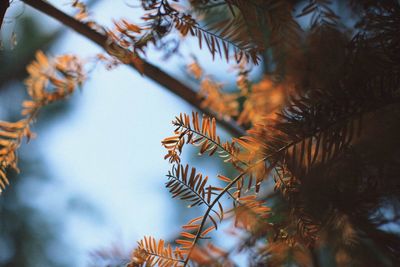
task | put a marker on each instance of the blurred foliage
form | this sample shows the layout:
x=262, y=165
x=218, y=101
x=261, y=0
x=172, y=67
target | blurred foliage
x=314, y=184
x=28, y=235
x=329, y=67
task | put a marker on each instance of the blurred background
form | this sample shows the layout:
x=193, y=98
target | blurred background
x=93, y=179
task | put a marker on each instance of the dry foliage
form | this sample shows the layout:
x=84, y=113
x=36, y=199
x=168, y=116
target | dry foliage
x=304, y=120
x=49, y=80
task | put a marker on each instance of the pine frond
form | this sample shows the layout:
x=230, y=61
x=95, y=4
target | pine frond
x=11, y=135
x=83, y=13
x=286, y=252
x=153, y=253
x=210, y=255
x=321, y=127
x=199, y=133
x=204, y=5
x=220, y=38
x=320, y=140
x=197, y=228
x=271, y=25
x=3, y=180
x=250, y=213
x=195, y=70
x=126, y=43
x=312, y=130
x=224, y=105
x=191, y=187
x=262, y=101
x=321, y=13
x=307, y=226
x=253, y=152
x=174, y=145
x=48, y=81
x=204, y=136
x=65, y=74
x=189, y=234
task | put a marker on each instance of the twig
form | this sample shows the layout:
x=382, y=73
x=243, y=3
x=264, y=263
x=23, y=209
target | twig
x=205, y=216
x=211, y=206
x=149, y=70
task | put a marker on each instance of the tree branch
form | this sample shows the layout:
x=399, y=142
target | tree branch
x=4, y=4
x=154, y=73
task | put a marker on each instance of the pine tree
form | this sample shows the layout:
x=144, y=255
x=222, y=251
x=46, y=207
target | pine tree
x=321, y=125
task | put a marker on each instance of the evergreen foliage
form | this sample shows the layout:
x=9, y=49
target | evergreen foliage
x=322, y=124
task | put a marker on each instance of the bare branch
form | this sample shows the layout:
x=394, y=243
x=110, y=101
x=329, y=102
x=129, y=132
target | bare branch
x=154, y=73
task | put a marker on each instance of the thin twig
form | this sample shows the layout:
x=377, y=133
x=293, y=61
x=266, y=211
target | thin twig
x=205, y=216
x=215, y=201
x=154, y=73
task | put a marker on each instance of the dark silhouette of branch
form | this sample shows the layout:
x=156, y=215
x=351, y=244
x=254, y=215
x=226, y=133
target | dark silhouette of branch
x=154, y=73
x=4, y=4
